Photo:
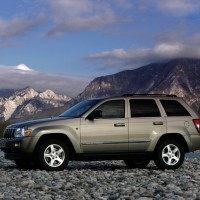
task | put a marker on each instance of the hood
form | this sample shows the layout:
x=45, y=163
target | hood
x=34, y=122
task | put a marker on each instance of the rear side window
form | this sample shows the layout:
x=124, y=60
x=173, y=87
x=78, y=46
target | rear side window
x=174, y=108
x=144, y=108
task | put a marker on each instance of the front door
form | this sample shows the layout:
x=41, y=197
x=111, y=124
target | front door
x=108, y=132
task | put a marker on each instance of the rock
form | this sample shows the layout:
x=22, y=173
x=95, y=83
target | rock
x=100, y=180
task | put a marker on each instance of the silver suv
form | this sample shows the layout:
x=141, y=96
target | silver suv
x=133, y=128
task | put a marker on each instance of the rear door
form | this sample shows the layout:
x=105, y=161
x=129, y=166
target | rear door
x=145, y=123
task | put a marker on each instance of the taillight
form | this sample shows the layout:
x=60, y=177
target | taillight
x=197, y=124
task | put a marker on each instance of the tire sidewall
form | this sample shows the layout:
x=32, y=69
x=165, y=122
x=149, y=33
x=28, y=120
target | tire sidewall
x=158, y=157
x=42, y=149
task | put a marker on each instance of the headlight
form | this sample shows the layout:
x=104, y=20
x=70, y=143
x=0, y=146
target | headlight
x=21, y=132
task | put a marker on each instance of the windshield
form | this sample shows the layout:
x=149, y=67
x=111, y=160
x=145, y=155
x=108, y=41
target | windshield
x=80, y=108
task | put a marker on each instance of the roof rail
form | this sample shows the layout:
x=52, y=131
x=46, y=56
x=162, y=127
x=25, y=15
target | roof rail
x=163, y=95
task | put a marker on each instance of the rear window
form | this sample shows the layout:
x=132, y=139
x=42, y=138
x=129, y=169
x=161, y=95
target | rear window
x=144, y=108
x=174, y=108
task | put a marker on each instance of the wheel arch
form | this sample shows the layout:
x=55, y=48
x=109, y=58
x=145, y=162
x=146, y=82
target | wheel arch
x=173, y=136
x=58, y=136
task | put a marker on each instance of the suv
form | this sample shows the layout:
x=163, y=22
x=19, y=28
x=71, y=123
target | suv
x=133, y=128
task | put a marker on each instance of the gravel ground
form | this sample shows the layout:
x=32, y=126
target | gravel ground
x=100, y=180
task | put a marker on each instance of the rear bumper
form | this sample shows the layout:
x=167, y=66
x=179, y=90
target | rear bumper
x=195, y=140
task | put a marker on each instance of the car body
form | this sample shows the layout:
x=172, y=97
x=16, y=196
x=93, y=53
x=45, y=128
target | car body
x=134, y=128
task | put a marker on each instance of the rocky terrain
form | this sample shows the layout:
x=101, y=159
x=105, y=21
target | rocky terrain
x=101, y=180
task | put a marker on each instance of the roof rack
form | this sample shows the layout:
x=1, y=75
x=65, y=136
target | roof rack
x=163, y=95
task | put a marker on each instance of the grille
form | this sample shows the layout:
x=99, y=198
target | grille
x=9, y=133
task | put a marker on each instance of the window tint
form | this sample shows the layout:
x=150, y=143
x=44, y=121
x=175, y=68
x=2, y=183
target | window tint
x=144, y=108
x=112, y=109
x=80, y=108
x=174, y=108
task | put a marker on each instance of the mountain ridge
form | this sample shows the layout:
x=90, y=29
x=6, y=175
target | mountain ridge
x=179, y=77
x=27, y=101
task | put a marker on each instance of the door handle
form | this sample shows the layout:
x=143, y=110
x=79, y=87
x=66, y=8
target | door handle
x=119, y=125
x=157, y=123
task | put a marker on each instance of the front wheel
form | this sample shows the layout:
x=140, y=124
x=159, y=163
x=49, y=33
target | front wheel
x=53, y=155
x=169, y=155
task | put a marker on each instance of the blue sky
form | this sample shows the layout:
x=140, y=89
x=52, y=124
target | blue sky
x=64, y=44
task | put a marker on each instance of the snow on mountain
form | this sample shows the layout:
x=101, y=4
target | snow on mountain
x=27, y=101
x=178, y=76
x=23, y=67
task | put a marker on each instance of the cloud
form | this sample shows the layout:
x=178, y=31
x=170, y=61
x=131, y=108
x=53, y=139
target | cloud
x=55, y=18
x=179, y=7
x=70, y=16
x=17, y=77
x=20, y=26
x=133, y=58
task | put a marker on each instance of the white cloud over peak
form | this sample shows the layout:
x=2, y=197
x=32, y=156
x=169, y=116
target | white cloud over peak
x=23, y=67
x=133, y=58
x=16, y=77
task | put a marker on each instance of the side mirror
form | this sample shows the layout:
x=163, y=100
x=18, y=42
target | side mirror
x=94, y=115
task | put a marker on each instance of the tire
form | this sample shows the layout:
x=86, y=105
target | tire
x=53, y=155
x=169, y=155
x=137, y=162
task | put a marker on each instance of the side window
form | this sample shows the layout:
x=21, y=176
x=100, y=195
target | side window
x=144, y=108
x=112, y=109
x=174, y=108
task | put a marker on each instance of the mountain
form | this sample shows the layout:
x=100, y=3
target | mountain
x=28, y=102
x=179, y=76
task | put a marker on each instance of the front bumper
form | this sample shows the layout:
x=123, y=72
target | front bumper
x=16, y=148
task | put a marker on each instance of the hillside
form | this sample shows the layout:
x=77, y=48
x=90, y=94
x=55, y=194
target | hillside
x=26, y=103
x=179, y=76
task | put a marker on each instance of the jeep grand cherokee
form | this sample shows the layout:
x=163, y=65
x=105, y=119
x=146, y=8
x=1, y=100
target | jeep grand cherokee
x=133, y=128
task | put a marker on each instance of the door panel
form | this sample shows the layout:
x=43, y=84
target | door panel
x=104, y=135
x=143, y=130
x=109, y=131
x=145, y=123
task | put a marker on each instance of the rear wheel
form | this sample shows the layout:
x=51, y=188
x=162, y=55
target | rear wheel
x=169, y=155
x=137, y=162
x=53, y=155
